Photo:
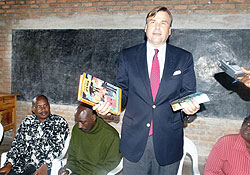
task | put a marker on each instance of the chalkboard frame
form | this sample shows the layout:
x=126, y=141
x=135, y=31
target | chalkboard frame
x=50, y=61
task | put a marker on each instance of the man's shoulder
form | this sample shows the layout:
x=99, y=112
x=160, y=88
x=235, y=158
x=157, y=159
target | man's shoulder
x=108, y=128
x=29, y=118
x=177, y=49
x=57, y=118
x=228, y=139
x=135, y=48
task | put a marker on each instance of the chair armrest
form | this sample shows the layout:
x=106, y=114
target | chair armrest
x=57, y=164
x=117, y=169
x=1, y=131
x=65, y=149
x=3, y=158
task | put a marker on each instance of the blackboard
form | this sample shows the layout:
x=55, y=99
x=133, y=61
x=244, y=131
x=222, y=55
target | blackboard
x=51, y=61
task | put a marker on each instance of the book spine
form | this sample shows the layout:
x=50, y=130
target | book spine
x=80, y=89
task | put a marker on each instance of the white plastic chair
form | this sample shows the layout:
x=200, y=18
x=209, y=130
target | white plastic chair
x=63, y=162
x=1, y=131
x=3, y=158
x=118, y=169
x=56, y=163
x=189, y=149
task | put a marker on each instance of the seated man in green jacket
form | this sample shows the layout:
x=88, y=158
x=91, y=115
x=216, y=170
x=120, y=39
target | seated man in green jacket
x=94, y=145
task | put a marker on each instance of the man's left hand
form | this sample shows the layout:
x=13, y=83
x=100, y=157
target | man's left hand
x=246, y=79
x=43, y=170
x=191, y=107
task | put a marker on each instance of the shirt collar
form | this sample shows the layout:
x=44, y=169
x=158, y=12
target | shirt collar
x=96, y=128
x=162, y=49
x=35, y=117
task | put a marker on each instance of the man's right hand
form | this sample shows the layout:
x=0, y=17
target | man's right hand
x=102, y=108
x=63, y=171
x=6, y=169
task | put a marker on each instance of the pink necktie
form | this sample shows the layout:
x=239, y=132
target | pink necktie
x=155, y=75
x=154, y=81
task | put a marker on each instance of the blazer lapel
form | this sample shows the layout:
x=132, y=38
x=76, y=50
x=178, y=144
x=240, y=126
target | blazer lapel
x=167, y=73
x=141, y=61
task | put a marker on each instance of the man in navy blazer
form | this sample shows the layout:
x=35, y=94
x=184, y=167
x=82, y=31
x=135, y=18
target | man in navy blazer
x=152, y=134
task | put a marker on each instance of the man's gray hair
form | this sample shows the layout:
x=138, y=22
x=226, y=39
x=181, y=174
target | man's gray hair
x=35, y=99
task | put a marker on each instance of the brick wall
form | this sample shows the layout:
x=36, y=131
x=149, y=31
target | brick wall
x=37, y=8
x=5, y=59
x=65, y=14
x=67, y=111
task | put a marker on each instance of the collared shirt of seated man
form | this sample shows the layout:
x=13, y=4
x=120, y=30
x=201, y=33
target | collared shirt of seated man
x=39, y=139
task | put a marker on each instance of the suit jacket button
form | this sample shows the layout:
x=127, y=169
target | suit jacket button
x=154, y=106
x=148, y=125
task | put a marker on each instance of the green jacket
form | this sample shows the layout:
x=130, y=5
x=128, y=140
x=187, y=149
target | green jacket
x=95, y=152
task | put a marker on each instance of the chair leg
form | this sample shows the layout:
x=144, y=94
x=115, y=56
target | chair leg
x=3, y=158
x=181, y=164
x=193, y=153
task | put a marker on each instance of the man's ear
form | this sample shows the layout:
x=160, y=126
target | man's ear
x=33, y=108
x=93, y=117
x=169, y=31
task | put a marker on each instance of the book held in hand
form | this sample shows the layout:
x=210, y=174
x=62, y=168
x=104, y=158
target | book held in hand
x=180, y=103
x=92, y=90
x=231, y=68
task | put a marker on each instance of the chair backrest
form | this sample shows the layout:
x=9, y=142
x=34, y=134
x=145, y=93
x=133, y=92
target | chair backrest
x=66, y=146
x=61, y=161
x=189, y=149
x=58, y=162
x=1, y=131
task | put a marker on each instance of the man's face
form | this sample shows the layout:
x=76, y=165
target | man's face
x=245, y=130
x=85, y=119
x=41, y=108
x=158, y=29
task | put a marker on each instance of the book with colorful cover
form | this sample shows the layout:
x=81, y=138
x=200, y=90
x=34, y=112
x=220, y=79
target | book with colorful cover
x=92, y=90
x=180, y=103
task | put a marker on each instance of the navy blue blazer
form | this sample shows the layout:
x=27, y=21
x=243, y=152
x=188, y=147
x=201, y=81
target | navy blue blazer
x=178, y=80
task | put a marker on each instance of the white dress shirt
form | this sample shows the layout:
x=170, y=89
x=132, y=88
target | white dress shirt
x=161, y=57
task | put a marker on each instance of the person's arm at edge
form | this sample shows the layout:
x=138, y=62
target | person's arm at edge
x=6, y=169
x=189, y=86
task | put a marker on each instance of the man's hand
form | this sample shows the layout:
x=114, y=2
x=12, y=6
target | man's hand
x=6, y=169
x=191, y=107
x=43, y=170
x=63, y=171
x=102, y=108
x=246, y=79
